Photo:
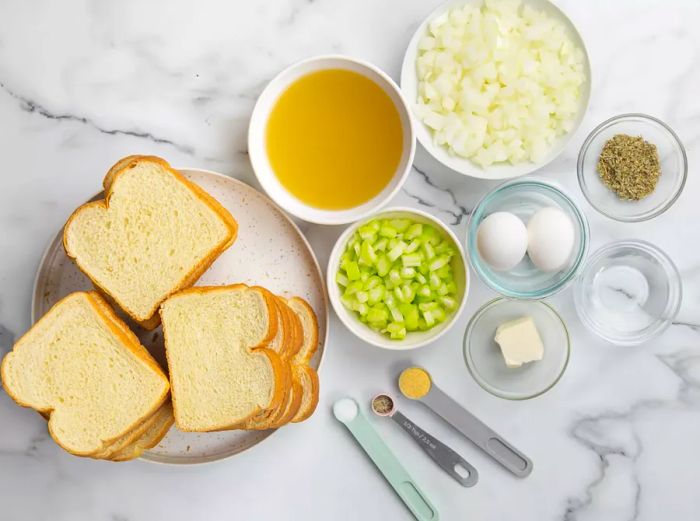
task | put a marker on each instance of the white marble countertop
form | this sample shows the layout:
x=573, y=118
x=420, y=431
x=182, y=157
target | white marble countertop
x=84, y=83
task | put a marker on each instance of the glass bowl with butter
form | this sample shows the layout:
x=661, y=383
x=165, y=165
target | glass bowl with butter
x=516, y=349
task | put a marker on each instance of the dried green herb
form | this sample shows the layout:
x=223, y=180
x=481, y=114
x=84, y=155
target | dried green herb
x=629, y=166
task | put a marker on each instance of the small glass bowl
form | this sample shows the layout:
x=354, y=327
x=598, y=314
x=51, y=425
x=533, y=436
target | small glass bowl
x=629, y=292
x=523, y=197
x=674, y=168
x=485, y=361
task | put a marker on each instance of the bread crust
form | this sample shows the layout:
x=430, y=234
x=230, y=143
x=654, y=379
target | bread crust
x=162, y=419
x=130, y=342
x=305, y=356
x=313, y=390
x=123, y=165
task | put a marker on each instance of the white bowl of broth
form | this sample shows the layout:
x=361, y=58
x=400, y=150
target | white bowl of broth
x=331, y=139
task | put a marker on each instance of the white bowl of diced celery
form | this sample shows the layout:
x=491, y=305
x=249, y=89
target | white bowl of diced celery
x=398, y=279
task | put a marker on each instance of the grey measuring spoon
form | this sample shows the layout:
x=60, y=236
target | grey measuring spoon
x=451, y=462
x=415, y=383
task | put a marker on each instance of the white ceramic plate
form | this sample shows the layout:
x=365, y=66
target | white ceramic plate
x=270, y=251
x=409, y=86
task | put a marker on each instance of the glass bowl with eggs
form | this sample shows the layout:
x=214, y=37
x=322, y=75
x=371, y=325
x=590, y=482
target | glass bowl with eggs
x=398, y=279
x=527, y=239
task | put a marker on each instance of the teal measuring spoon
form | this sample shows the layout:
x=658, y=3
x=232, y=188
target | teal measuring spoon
x=348, y=413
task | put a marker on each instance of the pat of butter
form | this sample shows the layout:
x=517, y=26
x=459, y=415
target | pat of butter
x=520, y=342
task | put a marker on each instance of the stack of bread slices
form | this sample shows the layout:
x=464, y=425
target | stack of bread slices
x=238, y=357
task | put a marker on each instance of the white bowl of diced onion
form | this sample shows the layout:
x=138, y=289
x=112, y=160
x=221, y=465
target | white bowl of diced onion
x=413, y=339
x=522, y=112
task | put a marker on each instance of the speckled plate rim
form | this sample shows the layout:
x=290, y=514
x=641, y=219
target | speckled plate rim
x=58, y=238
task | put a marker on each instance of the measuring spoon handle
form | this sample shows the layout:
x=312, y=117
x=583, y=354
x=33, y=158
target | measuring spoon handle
x=440, y=453
x=478, y=432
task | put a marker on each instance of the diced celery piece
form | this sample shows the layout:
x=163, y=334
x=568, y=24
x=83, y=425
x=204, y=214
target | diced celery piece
x=395, y=314
x=438, y=263
x=421, y=278
x=361, y=308
x=422, y=326
x=362, y=296
x=407, y=273
x=415, y=230
x=381, y=244
x=401, y=225
x=413, y=246
x=383, y=265
x=443, y=290
x=352, y=270
x=428, y=250
x=356, y=249
x=445, y=272
x=376, y=295
x=373, y=282
x=435, y=281
x=443, y=247
x=449, y=302
x=395, y=277
x=411, y=315
x=347, y=301
x=396, y=251
x=429, y=318
x=341, y=279
x=452, y=287
x=364, y=275
x=424, y=291
x=439, y=314
x=428, y=306
x=389, y=300
x=430, y=235
x=398, y=292
x=396, y=330
x=408, y=293
x=411, y=260
x=367, y=233
x=367, y=253
x=377, y=315
x=388, y=231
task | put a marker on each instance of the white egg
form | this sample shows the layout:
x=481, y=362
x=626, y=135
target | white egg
x=550, y=235
x=502, y=240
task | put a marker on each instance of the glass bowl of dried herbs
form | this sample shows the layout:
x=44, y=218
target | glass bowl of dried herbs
x=632, y=167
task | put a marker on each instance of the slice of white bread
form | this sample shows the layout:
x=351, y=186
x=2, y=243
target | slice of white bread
x=157, y=426
x=153, y=234
x=81, y=366
x=292, y=341
x=303, y=371
x=221, y=371
x=309, y=324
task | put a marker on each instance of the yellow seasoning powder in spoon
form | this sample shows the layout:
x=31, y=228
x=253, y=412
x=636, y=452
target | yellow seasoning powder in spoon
x=414, y=382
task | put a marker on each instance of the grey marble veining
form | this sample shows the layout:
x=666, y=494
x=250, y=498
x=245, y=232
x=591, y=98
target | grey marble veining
x=87, y=82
